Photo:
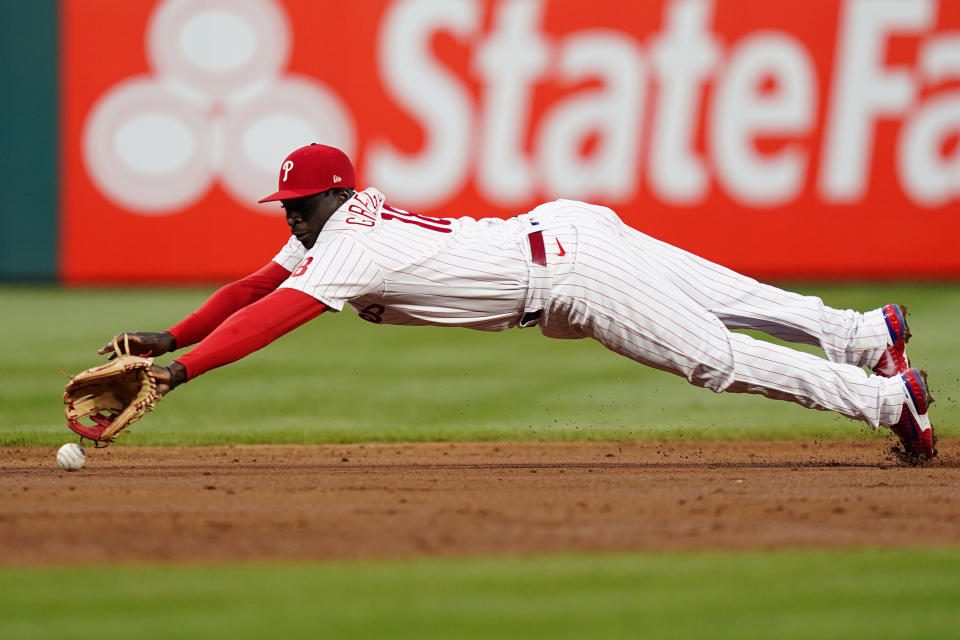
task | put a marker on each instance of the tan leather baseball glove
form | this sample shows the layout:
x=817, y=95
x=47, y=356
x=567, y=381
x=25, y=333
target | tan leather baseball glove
x=112, y=396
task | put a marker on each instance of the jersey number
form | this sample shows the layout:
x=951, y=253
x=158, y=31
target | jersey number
x=434, y=224
x=301, y=268
x=372, y=312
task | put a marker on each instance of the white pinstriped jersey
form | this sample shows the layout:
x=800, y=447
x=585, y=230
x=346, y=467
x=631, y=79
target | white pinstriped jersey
x=397, y=267
x=639, y=297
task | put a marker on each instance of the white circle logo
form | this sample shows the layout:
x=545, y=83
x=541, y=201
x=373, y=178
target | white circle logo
x=216, y=106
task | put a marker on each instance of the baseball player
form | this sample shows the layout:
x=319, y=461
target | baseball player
x=573, y=269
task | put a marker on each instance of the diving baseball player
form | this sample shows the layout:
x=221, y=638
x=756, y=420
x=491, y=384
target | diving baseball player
x=573, y=269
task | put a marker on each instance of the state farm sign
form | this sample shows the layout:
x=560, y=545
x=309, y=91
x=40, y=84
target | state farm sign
x=783, y=139
x=764, y=85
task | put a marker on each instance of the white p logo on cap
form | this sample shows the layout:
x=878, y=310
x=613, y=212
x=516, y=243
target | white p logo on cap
x=286, y=169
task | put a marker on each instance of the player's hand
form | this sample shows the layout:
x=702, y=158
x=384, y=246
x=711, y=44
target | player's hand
x=142, y=343
x=168, y=378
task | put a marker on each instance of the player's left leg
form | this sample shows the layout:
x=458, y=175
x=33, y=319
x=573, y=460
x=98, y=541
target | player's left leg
x=741, y=302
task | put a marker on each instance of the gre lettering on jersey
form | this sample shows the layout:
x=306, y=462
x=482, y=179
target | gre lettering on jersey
x=421, y=270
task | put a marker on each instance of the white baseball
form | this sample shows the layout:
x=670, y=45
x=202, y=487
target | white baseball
x=71, y=456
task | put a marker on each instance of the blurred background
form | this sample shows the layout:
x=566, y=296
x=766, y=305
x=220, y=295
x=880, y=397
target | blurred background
x=786, y=140
x=813, y=143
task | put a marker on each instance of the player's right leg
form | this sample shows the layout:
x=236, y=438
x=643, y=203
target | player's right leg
x=708, y=355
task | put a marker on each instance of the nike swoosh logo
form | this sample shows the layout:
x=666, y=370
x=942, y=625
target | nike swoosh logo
x=560, y=246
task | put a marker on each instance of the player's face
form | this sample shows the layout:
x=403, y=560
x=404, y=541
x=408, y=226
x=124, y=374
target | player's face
x=306, y=216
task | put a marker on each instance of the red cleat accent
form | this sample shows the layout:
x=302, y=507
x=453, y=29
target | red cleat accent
x=894, y=359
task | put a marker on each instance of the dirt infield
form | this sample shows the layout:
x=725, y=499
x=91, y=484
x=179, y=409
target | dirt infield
x=264, y=502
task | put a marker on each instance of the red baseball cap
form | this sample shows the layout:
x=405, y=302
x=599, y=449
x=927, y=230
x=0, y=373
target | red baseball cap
x=313, y=169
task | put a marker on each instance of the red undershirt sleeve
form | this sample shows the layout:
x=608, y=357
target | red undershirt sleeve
x=226, y=301
x=251, y=328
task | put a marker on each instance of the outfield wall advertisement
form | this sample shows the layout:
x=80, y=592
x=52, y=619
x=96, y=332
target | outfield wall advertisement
x=784, y=139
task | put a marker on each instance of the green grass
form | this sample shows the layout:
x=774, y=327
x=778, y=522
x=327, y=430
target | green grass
x=339, y=379
x=784, y=594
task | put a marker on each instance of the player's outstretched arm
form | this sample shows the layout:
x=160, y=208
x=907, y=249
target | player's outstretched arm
x=198, y=325
x=249, y=329
x=226, y=301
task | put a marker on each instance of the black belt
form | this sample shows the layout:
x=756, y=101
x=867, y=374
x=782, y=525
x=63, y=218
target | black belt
x=539, y=256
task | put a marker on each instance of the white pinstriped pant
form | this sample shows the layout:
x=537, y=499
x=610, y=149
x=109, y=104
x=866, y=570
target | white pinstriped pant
x=668, y=309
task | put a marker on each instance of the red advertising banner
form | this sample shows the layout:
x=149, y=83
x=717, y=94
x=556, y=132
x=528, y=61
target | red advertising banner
x=782, y=139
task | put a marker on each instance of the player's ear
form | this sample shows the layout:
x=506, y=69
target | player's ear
x=344, y=194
